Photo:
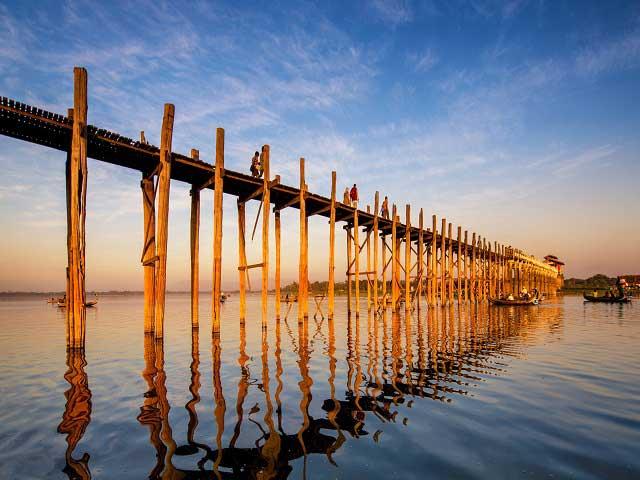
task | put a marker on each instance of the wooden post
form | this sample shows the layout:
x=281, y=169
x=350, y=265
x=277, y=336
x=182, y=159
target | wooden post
x=443, y=262
x=332, y=241
x=356, y=246
x=277, y=279
x=407, y=259
x=195, y=249
x=368, y=264
x=473, y=268
x=164, y=183
x=217, y=232
x=465, y=258
x=349, y=277
x=76, y=214
x=148, y=251
x=242, y=260
x=384, y=270
x=266, y=207
x=303, y=281
x=420, y=260
x=458, y=261
x=434, y=260
x=376, y=206
x=394, y=266
x=450, y=265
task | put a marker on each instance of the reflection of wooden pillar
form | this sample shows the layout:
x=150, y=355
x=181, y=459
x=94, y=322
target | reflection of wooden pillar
x=303, y=281
x=266, y=213
x=217, y=231
x=407, y=259
x=76, y=214
x=376, y=206
x=164, y=182
x=242, y=261
x=277, y=279
x=149, y=250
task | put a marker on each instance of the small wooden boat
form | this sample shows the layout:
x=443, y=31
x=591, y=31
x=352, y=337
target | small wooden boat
x=517, y=302
x=89, y=304
x=603, y=299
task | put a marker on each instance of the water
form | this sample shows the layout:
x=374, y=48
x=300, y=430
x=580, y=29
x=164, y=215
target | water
x=538, y=392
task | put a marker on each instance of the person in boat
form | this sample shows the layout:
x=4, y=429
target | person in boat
x=525, y=294
x=384, y=211
x=510, y=297
x=346, y=199
x=255, y=161
x=620, y=287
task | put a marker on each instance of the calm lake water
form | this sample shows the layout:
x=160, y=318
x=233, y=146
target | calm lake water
x=539, y=392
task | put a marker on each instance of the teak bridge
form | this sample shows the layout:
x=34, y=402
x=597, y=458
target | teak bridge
x=404, y=262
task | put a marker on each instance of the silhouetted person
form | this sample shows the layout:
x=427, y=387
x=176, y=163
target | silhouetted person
x=353, y=196
x=255, y=164
x=384, y=211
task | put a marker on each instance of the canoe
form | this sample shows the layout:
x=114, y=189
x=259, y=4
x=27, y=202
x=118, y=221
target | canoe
x=514, y=303
x=89, y=304
x=591, y=298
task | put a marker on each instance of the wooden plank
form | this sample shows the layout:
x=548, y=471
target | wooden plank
x=303, y=266
x=164, y=185
x=216, y=292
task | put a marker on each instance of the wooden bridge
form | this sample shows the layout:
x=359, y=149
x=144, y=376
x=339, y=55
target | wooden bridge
x=405, y=263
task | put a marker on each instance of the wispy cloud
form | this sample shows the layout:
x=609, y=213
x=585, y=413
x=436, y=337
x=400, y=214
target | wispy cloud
x=393, y=12
x=618, y=54
x=423, y=62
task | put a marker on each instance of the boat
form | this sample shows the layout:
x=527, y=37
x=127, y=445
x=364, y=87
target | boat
x=223, y=297
x=517, y=302
x=89, y=304
x=603, y=299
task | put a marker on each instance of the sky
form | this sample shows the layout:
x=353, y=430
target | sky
x=517, y=120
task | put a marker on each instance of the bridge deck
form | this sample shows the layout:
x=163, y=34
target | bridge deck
x=35, y=125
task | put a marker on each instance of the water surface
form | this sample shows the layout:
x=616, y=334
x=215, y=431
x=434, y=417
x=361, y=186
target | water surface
x=470, y=392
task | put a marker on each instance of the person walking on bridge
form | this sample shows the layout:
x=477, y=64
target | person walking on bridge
x=353, y=195
x=345, y=197
x=255, y=162
x=384, y=211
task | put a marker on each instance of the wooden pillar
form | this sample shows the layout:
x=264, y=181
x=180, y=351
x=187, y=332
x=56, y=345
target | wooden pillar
x=332, y=241
x=242, y=260
x=407, y=260
x=450, y=265
x=164, y=183
x=195, y=250
x=474, y=267
x=277, y=279
x=368, y=263
x=356, y=252
x=349, y=276
x=76, y=214
x=266, y=208
x=149, y=250
x=217, y=232
x=376, y=206
x=459, y=271
x=465, y=258
x=434, y=261
x=384, y=270
x=303, y=280
x=443, y=262
x=394, y=261
x=420, y=260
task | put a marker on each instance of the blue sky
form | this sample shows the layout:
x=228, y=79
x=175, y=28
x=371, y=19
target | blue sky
x=517, y=120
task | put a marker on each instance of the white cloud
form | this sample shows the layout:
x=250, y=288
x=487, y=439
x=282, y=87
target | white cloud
x=393, y=12
x=424, y=61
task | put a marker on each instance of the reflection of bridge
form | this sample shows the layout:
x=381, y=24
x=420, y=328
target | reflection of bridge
x=422, y=261
x=399, y=362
